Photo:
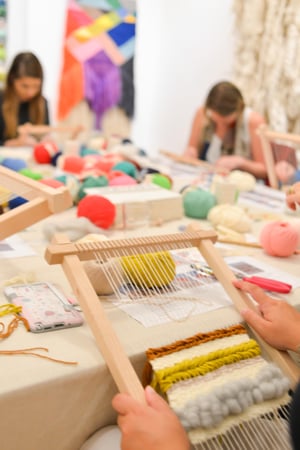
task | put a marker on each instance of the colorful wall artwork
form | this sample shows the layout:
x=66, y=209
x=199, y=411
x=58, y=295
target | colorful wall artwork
x=98, y=57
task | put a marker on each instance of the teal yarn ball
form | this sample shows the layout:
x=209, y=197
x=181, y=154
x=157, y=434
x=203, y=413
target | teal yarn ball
x=126, y=167
x=197, y=203
x=90, y=182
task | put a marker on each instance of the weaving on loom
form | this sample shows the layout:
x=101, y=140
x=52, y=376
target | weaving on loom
x=227, y=390
x=35, y=201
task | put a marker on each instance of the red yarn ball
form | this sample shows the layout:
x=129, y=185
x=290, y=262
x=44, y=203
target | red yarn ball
x=72, y=164
x=279, y=238
x=44, y=152
x=98, y=210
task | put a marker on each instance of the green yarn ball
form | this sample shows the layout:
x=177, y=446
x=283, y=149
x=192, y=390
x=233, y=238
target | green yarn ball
x=90, y=182
x=161, y=180
x=126, y=167
x=30, y=174
x=197, y=203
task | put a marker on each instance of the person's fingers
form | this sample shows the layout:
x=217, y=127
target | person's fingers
x=155, y=400
x=257, y=322
x=124, y=404
x=255, y=291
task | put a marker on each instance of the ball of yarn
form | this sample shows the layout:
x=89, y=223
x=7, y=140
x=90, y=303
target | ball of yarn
x=15, y=164
x=122, y=180
x=197, y=203
x=71, y=182
x=54, y=159
x=90, y=182
x=244, y=181
x=230, y=216
x=30, y=174
x=162, y=180
x=105, y=278
x=127, y=167
x=16, y=201
x=44, y=152
x=51, y=182
x=99, y=210
x=72, y=163
x=150, y=269
x=279, y=238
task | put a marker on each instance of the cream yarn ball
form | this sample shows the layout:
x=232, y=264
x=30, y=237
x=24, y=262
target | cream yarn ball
x=230, y=216
x=244, y=181
x=106, y=277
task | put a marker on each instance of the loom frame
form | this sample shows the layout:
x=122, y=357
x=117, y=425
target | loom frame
x=267, y=136
x=69, y=255
x=43, y=201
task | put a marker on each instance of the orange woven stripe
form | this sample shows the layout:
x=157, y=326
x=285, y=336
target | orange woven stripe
x=200, y=338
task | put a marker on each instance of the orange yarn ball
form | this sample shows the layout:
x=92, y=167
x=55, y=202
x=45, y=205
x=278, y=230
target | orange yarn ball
x=279, y=238
x=99, y=210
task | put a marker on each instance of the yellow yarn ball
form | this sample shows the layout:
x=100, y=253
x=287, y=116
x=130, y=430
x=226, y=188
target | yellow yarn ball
x=149, y=269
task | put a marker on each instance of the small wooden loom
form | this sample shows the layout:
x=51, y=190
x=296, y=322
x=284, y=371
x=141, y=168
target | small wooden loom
x=268, y=141
x=43, y=201
x=70, y=256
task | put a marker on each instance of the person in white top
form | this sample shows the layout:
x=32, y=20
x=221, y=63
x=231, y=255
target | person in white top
x=224, y=132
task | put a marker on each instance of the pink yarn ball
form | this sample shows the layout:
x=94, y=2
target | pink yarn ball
x=99, y=210
x=122, y=180
x=279, y=238
x=51, y=182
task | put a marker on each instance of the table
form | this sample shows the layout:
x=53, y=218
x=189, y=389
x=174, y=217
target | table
x=51, y=406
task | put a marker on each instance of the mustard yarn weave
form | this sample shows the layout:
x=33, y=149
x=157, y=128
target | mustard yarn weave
x=150, y=269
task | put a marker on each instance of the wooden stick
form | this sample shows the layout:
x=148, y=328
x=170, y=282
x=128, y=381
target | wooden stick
x=188, y=160
x=113, y=353
x=42, y=201
x=107, y=341
x=241, y=301
x=37, y=130
x=247, y=244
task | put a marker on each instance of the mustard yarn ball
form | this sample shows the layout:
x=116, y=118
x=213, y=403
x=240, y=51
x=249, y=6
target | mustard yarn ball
x=197, y=203
x=150, y=269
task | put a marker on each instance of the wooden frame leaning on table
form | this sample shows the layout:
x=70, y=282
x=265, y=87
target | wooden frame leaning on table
x=277, y=147
x=42, y=201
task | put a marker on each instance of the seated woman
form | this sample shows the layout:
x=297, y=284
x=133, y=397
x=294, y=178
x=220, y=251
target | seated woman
x=224, y=132
x=22, y=101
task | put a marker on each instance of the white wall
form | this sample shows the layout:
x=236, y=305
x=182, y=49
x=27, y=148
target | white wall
x=182, y=48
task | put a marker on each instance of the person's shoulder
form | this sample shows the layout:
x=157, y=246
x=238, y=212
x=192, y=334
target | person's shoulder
x=255, y=119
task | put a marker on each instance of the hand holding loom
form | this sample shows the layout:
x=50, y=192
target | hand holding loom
x=151, y=426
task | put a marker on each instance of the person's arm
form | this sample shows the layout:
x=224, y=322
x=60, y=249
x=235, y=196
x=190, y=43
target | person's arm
x=149, y=427
x=256, y=165
x=197, y=125
x=293, y=196
x=278, y=324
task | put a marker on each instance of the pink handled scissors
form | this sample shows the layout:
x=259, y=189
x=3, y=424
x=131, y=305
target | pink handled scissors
x=269, y=284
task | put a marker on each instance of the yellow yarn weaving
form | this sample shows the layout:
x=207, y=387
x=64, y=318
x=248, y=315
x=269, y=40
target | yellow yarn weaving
x=149, y=269
x=201, y=365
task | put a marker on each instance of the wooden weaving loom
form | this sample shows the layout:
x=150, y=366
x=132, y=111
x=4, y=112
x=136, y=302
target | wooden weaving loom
x=73, y=256
x=42, y=201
